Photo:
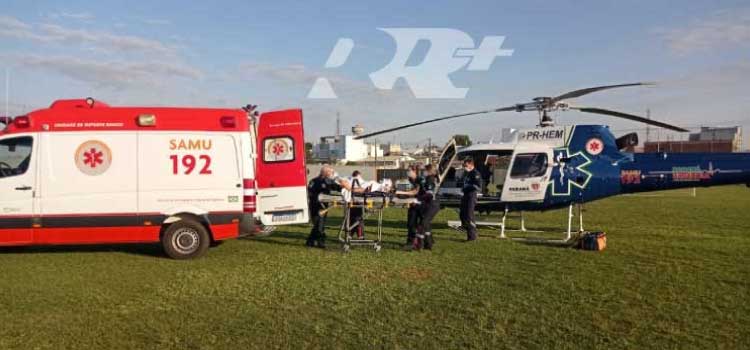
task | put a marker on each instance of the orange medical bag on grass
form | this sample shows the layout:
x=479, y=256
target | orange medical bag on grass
x=593, y=241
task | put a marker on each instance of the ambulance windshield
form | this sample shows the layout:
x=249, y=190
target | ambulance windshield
x=15, y=156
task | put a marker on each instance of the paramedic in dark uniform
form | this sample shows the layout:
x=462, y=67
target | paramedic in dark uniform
x=323, y=183
x=472, y=186
x=428, y=209
x=413, y=218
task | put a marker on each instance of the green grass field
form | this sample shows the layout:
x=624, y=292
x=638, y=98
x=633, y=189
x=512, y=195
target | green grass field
x=675, y=275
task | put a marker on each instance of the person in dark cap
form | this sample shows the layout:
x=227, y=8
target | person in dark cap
x=472, y=186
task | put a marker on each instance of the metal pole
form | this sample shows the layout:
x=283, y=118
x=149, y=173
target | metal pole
x=7, y=92
x=429, y=150
x=648, y=129
x=376, y=161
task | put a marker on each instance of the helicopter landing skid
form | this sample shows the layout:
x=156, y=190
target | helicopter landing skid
x=569, y=234
x=456, y=225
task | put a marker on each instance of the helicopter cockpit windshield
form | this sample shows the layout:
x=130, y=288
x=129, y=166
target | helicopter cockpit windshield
x=529, y=165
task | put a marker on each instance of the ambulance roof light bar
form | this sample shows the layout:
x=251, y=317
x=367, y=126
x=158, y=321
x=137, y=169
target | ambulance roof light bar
x=146, y=120
x=228, y=122
x=22, y=122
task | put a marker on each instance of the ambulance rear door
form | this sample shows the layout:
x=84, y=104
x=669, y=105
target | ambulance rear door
x=281, y=173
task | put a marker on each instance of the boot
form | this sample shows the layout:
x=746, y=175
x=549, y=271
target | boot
x=409, y=244
x=322, y=241
x=418, y=242
x=311, y=239
x=428, y=241
x=310, y=243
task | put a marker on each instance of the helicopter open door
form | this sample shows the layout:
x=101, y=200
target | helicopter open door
x=446, y=159
x=529, y=175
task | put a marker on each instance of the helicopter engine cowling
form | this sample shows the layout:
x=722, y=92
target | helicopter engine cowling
x=627, y=141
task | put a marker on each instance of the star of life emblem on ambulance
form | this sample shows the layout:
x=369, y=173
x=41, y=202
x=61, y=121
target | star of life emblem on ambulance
x=278, y=150
x=93, y=158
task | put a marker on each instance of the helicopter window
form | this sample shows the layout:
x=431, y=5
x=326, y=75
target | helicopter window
x=529, y=165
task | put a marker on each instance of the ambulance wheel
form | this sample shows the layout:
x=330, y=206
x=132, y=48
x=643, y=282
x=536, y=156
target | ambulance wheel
x=185, y=239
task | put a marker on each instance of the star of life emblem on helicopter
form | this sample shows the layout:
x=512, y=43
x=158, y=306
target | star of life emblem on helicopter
x=594, y=146
x=93, y=158
x=569, y=171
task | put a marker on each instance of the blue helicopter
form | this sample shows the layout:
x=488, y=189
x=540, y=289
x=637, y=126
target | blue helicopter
x=552, y=167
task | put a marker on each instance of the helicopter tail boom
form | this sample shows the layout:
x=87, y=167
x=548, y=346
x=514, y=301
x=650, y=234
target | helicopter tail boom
x=664, y=171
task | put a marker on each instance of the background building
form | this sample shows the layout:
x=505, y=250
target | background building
x=345, y=148
x=708, y=139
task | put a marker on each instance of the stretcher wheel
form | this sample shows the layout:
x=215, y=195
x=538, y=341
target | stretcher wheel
x=346, y=248
x=377, y=248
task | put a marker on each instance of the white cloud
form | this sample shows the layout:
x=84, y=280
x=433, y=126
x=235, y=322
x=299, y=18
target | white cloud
x=289, y=74
x=106, y=40
x=156, y=21
x=720, y=30
x=107, y=74
x=7, y=22
x=81, y=16
x=14, y=28
x=11, y=27
x=299, y=75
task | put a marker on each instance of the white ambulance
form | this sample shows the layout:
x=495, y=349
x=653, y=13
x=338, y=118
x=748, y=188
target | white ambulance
x=82, y=172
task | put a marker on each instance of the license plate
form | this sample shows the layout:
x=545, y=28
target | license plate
x=284, y=217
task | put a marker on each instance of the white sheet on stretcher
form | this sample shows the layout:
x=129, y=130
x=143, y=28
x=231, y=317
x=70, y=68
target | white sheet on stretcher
x=370, y=186
x=374, y=197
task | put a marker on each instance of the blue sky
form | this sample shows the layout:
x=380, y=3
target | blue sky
x=269, y=53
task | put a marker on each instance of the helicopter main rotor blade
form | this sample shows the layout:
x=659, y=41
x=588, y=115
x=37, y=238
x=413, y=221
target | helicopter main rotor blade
x=581, y=92
x=503, y=109
x=629, y=117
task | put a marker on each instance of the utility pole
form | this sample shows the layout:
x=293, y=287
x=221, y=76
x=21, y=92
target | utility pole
x=338, y=124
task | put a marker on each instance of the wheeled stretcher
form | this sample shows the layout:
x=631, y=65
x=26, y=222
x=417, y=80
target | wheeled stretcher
x=371, y=203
